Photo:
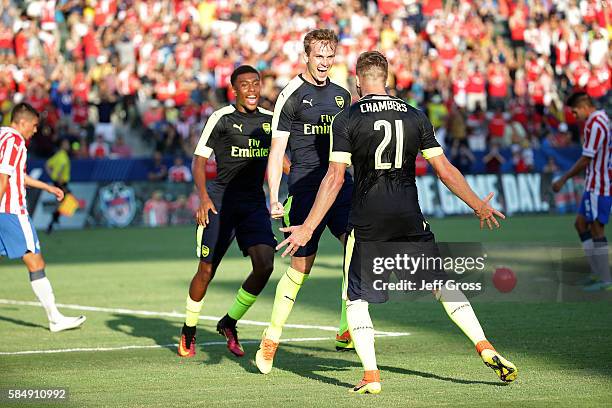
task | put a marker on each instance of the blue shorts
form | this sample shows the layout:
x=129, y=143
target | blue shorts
x=595, y=207
x=249, y=223
x=298, y=206
x=17, y=236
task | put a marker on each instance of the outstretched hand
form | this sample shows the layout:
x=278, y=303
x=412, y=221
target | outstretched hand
x=487, y=214
x=300, y=235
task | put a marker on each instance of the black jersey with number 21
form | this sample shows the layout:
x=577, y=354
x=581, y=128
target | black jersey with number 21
x=381, y=136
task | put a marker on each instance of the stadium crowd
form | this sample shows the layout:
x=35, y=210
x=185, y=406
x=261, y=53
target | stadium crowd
x=491, y=74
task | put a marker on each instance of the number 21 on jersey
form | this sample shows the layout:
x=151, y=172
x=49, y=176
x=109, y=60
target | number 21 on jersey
x=379, y=164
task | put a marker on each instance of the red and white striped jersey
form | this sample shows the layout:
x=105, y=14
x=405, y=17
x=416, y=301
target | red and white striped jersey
x=598, y=146
x=13, y=155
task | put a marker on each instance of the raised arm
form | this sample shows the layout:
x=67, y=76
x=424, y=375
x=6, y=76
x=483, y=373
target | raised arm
x=454, y=180
x=31, y=182
x=576, y=169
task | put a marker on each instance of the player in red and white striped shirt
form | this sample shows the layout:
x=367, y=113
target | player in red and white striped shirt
x=594, y=211
x=18, y=237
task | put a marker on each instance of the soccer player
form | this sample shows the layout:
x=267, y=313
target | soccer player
x=594, y=211
x=233, y=205
x=302, y=118
x=381, y=135
x=58, y=168
x=18, y=237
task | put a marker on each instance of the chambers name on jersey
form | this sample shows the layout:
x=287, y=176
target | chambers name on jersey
x=304, y=112
x=241, y=143
x=381, y=136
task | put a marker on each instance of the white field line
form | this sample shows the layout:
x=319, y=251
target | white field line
x=151, y=346
x=176, y=314
x=157, y=346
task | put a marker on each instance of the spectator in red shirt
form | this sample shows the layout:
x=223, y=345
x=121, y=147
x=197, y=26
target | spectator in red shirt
x=498, y=79
x=476, y=94
x=179, y=173
x=120, y=149
x=155, y=211
x=99, y=149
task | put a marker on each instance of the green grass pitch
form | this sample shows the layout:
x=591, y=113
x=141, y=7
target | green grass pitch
x=127, y=358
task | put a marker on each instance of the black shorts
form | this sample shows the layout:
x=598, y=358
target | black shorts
x=297, y=208
x=359, y=283
x=248, y=222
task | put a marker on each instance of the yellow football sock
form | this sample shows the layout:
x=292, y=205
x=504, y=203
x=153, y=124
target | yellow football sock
x=192, y=311
x=286, y=291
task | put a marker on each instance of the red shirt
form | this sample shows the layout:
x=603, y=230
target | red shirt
x=21, y=45
x=537, y=93
x=596, y=88
x=80, y=87
x=533, y=70
x=80, y=114
x=459, y=86
x=38, y=103
x=447, y=51
x=6, y=39
x=576, y=51
x=498, y=86
x=223, y=72
x=497, y=125
x=517, y=29
x=476, y=83
x=13, y=155
x=90, y=44
x=430, y=6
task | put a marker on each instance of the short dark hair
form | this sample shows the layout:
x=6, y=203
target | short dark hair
x=243, y=69
x=372, y=64
x=578, y=99
x=323, y=35
x=23, y=111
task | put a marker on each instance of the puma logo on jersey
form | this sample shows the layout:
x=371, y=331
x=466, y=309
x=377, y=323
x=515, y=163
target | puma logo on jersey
x=239, y=127
x=307, y=101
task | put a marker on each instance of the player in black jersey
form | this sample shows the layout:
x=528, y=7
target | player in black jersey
x=301, y=122
x=381, y=136
x=233, y=205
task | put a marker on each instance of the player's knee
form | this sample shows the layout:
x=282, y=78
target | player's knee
x=34, y=262
x=580, y=225
x=597, y=230
x=206, y=272
x=264, y=268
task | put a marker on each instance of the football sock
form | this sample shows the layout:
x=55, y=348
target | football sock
x=362, y=333
x=587, y=245
x=44, y=292
x=461, y=313
x=286, y=291
x=192, y=311
x=242, y=303
x=343, y=326
x=600, y=257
